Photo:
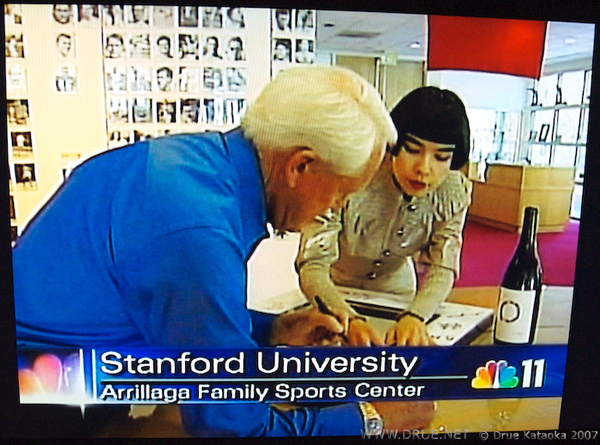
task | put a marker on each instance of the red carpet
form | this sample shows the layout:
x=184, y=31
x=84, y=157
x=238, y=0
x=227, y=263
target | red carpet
x=487, y=251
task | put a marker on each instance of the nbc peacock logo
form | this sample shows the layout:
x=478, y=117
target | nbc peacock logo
x=495, y=375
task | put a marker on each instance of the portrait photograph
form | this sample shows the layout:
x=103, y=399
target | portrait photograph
x=113, y=15
x=21, y=139
x=62, y=14
x=188, y=16
x=65, y=80
x=234, y=110
x=189, y=79
x=118, y=111
x=282, y=20
x=211, y=51
x=138, y=15
x=163, y=48
x=25, y=176
x=88, y=14
x=164, y=79
x=139, y=46
x=141, y=110
x=13, y=213
x=65, y=48
x=305, y=20
x=118, y=138
x=162, y=131
x=12, y=14
x=21, y=145
x=282, y=49
x=14, y=234
x=17, y=112
x=213, y=112
x=213, y=79
x=212, y=17
x=14, y=45
x=190, y=111
x=188, y=47
x=165, y=112
x=140, y=78
x=305, y=52
x=114, y=46
x=162, y=16
x=141, y=135
x=234, y=51
x=16, y=79
x=236, y=19
x=116, y=78
x=236, y=80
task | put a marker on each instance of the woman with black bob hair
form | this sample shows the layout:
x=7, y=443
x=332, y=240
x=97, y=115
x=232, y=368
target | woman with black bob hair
x=409, y=219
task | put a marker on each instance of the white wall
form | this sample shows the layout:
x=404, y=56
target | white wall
x=499, y=92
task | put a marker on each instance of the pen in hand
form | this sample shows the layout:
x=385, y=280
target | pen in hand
x=325, y=310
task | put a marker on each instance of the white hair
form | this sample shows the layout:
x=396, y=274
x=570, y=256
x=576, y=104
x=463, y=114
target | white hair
x=330, y=110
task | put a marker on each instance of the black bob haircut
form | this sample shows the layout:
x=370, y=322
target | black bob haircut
x=434, y=115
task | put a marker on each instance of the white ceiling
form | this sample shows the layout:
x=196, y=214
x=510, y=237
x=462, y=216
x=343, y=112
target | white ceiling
x=371, y=33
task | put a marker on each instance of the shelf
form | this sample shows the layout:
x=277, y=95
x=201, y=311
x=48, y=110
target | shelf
x=556, y=143
x=556, y=107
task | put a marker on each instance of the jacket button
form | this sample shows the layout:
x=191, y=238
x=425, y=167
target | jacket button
x=412, y=208
x=400, y=232
x=371, y=275
x=377, y=263
x=387, y=252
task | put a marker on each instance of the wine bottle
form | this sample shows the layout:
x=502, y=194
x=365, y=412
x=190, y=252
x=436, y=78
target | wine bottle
x=521, y=290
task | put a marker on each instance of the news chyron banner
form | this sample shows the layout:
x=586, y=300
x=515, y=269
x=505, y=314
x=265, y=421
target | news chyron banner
x=292, y=375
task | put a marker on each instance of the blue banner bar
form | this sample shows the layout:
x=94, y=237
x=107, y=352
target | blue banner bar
x=298, y=375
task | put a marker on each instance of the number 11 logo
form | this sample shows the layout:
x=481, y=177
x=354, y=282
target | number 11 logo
x=499, y=375
x=534, y=372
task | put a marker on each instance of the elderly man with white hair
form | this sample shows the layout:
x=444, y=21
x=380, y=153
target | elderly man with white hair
x=147, y=245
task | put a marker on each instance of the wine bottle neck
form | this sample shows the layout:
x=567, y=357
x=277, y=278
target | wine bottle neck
x=528, y=240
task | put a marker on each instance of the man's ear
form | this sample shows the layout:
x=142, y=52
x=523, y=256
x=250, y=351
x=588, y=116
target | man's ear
x=297, y=165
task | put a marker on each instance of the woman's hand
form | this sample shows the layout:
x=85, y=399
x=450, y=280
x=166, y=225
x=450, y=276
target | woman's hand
x=409, y=331
x=361, y=333
x=338, y=308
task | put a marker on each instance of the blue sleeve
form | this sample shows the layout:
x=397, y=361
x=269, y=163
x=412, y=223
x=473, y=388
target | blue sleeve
x=261, y=327
x=188, y=288
x=259, y=419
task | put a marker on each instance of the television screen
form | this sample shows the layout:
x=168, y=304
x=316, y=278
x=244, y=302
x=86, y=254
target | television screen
x=289, y=220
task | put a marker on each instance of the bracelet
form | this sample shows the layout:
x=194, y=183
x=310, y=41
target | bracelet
x=372, y=420
x=412, y=314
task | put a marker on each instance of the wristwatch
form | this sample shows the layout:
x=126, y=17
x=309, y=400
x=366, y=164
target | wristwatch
x=372, y=420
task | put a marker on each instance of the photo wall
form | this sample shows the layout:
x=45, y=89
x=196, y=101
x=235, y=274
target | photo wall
x=86, y=78
x=171, y=68
x=293, y=37
x=20, y=140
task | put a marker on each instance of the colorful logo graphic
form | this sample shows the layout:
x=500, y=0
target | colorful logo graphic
x=495, y=375
x=46, y=373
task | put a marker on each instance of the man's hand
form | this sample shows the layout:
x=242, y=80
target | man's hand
x=337, y=307
x=405, y=415
x=361, y=333
x=409, y=331
x=306, y=326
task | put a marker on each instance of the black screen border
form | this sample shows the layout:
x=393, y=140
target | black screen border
x=579, y=409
